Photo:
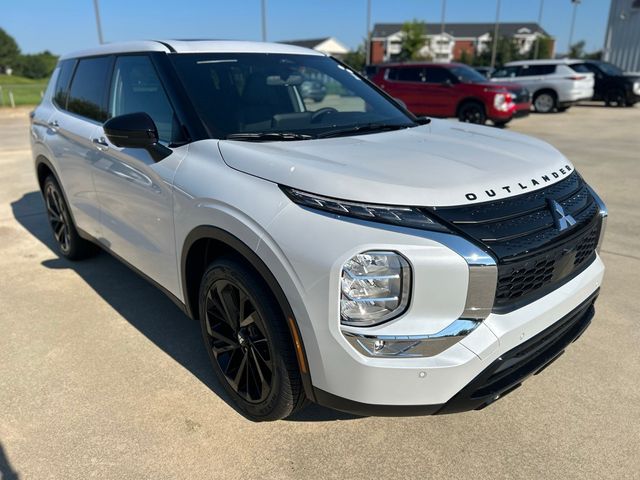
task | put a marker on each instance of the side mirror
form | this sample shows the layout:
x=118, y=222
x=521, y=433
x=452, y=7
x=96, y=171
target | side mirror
x=136, y=130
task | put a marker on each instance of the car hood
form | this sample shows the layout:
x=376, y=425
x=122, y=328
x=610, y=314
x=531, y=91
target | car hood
x=443, y=163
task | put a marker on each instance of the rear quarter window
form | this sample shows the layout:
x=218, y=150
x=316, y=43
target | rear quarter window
x=88, y=92
x=580, y=68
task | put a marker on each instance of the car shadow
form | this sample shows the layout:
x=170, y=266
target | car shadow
x=144, y=306
x=6, y=470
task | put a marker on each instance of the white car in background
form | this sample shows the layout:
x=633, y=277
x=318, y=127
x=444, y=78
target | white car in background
x=554, y=84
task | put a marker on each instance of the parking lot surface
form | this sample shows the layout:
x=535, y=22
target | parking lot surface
x=101, y=376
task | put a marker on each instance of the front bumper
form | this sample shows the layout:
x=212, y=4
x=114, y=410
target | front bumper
x=501, y=377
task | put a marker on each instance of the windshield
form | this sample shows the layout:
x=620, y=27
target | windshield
x=255, y=93
x=467, y=74
x=609, y=69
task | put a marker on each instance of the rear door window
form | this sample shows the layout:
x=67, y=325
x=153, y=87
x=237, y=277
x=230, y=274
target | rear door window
x=436, y=75
x=535, y=70
x=406, y=74
x=88, y=92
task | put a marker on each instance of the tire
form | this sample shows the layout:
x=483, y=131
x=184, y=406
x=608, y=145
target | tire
x=472, y=112
x=545, y=102
x=68, y=242
x=252, y=354
x=615, y=98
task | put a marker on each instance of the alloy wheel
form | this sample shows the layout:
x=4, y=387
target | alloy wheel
x=58, y=218
x=544, y=103
x=472, y=114
x=237, y=338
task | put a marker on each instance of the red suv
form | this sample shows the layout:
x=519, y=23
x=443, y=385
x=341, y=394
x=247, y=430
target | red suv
x=452, y=90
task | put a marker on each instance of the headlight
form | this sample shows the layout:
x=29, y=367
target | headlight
x=636, y=88
x=411, y=217
x=375, y=287
x=503, y=101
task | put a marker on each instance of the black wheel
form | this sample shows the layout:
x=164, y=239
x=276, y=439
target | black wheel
x=615, y=98
x=248, y=341
x=472, y=112
x=545, y=102
x=69, y=243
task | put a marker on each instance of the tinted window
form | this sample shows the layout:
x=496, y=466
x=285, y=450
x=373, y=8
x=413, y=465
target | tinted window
x=531, y=70
x=264, y=93
x=467, y=75
x=62, y=84
x=88, y=88
x=406, y=74
x=436, y=75
x=505, y=72
x=580, y=68
x=137, y=88
x=610, y=69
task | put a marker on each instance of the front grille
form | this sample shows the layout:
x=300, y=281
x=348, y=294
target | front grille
x=533, y=255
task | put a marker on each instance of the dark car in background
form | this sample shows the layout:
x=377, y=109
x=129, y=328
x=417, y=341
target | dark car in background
x=450, y=90
x=613, y=86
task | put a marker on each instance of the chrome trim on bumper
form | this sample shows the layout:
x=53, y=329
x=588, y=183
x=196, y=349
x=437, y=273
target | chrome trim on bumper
x=604, y=213
x=382, y=346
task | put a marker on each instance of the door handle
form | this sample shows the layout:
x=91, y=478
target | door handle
x=100, y=143
x=53, y=125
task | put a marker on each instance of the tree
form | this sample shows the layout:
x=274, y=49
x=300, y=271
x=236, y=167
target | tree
x=545, y=47
x=9, y=51
x=465, y=57
x=413, y=40
x=577, y=50
x=39, y=65
x=597, y=55
x=356, y=58
x=506, y=51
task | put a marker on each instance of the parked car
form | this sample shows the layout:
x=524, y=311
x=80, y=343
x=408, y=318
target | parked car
x=484, y=71
x=356, y=255
x=554, y=84
x=446, y=90
x=613, y=85
x=313, y=89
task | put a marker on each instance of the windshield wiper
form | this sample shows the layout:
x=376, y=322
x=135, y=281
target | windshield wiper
x=367, y=127
x=269, y=136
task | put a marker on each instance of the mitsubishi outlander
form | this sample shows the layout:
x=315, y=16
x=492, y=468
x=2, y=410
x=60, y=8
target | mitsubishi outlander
x=343, y=251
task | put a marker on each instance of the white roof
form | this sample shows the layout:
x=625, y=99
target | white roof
x=192, y=46
x=549, y=61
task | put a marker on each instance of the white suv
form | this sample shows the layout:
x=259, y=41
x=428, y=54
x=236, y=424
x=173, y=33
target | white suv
x=341, y=251
x=554, y=84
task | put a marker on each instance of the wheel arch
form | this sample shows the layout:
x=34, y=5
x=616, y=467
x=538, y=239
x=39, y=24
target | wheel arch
x=468, y=100
x=205, y=243
x=544, y=90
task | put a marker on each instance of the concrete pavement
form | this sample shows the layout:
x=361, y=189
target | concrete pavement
x=102, y=377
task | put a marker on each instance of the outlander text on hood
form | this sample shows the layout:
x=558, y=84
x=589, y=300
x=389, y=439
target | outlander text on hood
x=333, y=246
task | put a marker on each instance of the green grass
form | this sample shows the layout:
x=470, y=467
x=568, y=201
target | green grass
x=25, y=90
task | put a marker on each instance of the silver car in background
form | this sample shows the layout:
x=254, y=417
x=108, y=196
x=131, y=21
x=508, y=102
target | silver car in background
x=554, y=84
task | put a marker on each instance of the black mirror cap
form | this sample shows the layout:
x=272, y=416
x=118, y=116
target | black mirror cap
x=132, y=130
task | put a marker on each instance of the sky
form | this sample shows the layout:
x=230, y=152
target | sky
x=62, y=26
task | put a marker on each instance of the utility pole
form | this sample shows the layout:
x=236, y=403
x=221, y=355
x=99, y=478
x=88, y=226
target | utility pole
x=444, y=9
x=495, y=36
x=96, y=8
x=573, y=21
x=537, y=41
x=367, y=47
x=264, y=20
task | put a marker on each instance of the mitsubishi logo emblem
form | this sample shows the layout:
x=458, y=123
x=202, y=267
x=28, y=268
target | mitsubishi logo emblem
x=561, y=219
